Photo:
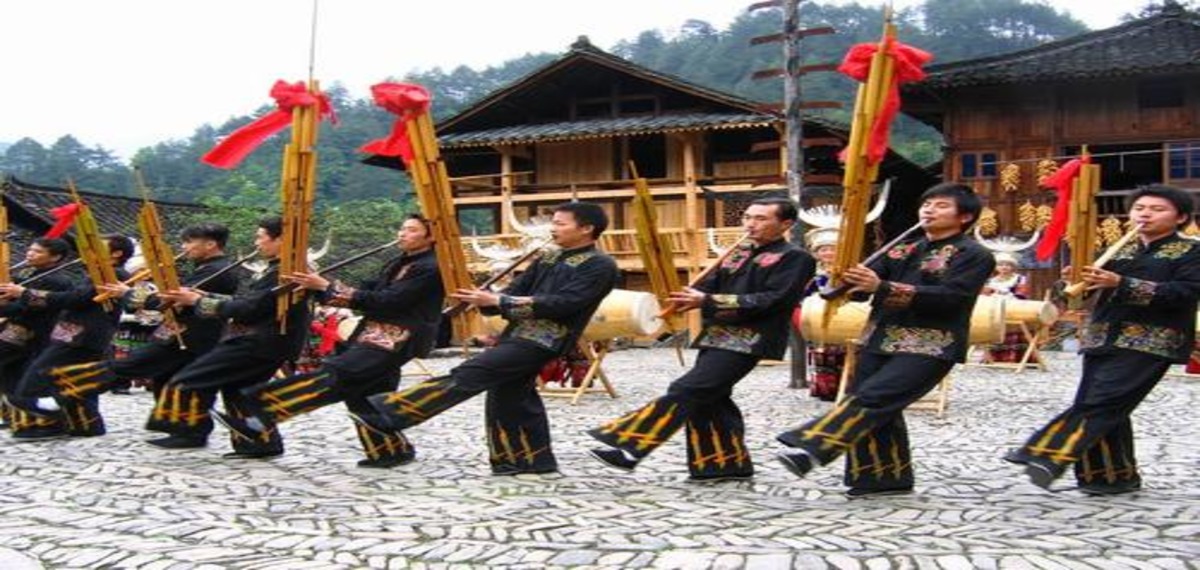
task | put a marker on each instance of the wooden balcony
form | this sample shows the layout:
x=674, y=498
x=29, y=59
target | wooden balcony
x=621, y=245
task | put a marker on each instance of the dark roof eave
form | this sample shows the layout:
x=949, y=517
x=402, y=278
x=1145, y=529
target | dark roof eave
x=504, y=141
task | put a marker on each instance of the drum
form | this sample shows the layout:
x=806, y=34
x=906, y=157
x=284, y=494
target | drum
x=1035, y=314
x=623, y=313
x=987, y=321
x=846, y=325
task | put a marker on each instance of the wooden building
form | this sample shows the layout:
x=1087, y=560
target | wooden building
x=571, y=128
x=1131, y=93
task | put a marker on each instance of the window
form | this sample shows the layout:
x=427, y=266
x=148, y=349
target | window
x=1183, y=160
x=977, y=164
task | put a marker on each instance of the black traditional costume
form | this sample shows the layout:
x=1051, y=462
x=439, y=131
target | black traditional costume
x=565, y=288
x=170, y=349
x=1135, y=332
x=917, y=330
x=401, y=311
x=746, y=316
x=252, y=349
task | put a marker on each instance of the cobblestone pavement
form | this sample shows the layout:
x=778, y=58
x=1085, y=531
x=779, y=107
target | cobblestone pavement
x=114, y=501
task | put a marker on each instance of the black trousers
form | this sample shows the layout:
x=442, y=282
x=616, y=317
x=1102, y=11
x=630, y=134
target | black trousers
x=349, y=377
x=78, y=417
x=868, y=425
x=700, y=400
x=518, y=431
x=229, y=368
x=13, y=359
x=1095, y=434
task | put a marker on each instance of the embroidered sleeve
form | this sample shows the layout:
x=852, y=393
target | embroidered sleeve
x=209, y=305
x=1137, y=291
x=897, y=295
x=723, y=301
x=36, y=298
x=516, y=309
x=773, y=288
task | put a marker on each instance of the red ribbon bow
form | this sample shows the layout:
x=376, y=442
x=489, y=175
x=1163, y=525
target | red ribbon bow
x=328, y=331
x=406, y=101
x=240, y=143
x=1061, y=182
x=64, y=216
x=908, y=62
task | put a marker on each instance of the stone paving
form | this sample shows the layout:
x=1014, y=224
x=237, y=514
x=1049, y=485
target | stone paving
x=115, y=502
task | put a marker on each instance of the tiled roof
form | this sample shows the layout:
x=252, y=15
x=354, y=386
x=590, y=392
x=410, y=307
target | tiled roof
x=582, y=64
x=29, y=208
x=1166, y=43
x=608, y=127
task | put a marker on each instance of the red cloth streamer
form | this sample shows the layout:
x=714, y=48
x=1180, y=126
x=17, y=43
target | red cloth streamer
x=1061, y=182
x=908, y=62
x=64, y=217
x=328, y=331
x=240, y=143
x=406, y=101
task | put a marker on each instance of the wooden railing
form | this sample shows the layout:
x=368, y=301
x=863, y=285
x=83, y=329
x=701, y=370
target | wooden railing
x=620, y=244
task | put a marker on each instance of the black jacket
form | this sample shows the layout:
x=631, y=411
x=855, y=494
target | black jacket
x=751, y=298
x=29, y=325
x=401, y=308
x=567, y=286
x=199, y=334
x=1153, y=309
x=250, y=318
x=81, y=322
x=924, y=304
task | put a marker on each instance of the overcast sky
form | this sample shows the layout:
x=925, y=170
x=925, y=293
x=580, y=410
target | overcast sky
x=124, y=74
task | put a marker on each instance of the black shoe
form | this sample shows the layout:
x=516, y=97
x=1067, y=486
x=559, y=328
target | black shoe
x=237, y=425
x=179, y=442
x=861, y=492
x=376, y=421
x=511, y=470
x=386, y=462
x=614, y=458
x=1101, y=489
x=1017, y=456
x=39, y=434
x=253, y=454
x=1041, y=474
x=720, y=478
x=799, y=462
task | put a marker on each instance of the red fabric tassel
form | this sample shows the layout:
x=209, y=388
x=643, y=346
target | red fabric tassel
x=64, y=218
x=405, y=100
x=328, y=331
x=240, y=143
x=1061, y=183
x=908, y=62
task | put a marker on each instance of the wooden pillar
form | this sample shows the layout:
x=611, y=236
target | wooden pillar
x=506, y=186
x=694, y=221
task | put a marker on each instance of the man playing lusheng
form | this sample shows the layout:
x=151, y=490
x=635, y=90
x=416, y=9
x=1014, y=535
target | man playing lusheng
x=1143, y=321
x=746, y=305
x=172, y=346
x=547, y=308
x=401, y=310
x=252, y=349
x=924, y=292
x=27, y=327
